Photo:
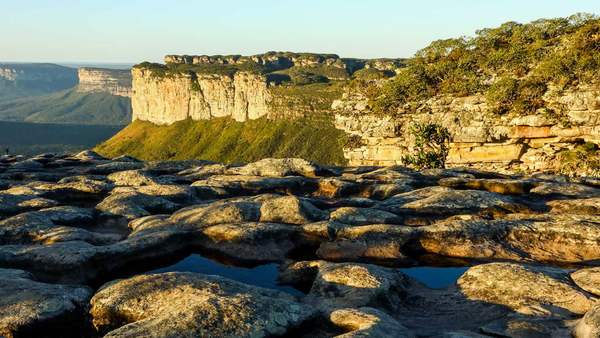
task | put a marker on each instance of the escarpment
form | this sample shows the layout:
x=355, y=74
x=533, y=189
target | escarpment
x=275, y=85
x=111, y=81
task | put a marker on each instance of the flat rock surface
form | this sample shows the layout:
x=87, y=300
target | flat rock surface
x=72, y=227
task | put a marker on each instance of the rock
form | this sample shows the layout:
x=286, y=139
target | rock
x=252, y=185
x=134, y=205
x=370, y=243
x=454, y=202
x=364, y=216
x=14, y=204
x=32, y=309
x=173, y=192
x=368, y=322
x=520, y=237
x=523, y=288
x=200, y=216
x=566, y=191
x=89, y=155
x=204, y=171
x=588, y=206
x=132, y=178
x=588, y=280
x=589, y=325
x=291, y=210
x=272, y=167
x=38, y=228
x=194, y=305
x=501, y=186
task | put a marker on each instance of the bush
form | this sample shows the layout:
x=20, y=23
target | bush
x=431, y=146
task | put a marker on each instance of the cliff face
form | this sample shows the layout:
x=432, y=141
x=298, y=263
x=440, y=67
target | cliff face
x=480, y=138
x=244, y=88
x=168, y=100
x=115, y=82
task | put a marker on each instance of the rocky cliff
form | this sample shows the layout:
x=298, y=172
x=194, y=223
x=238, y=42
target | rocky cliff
x=167, y=100
x=112, y=81
x=511, y=142
x=243, y=88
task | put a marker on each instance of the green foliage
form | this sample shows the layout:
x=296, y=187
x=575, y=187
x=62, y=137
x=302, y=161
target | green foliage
x=431, y=146
x=227, y=141
x=69, y=107
x=582, y=158
x=564, y=51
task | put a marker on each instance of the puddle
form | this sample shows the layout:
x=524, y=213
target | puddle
x=435, y=278
x=262, y=275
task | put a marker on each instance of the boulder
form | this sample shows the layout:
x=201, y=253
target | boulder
x=194, y=305
x=273, y=167
x=32, y=309
x=364, y=216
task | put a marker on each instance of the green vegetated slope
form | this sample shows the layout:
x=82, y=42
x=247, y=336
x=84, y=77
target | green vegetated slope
x=37, y=79
x=227, y=141
x=69, y=107
x=36, y=138
x=513, y=65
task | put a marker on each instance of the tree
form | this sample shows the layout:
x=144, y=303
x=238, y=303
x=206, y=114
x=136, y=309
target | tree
x=431, y=146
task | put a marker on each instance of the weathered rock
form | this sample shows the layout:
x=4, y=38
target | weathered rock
x=501, y=186
x=134, y=205
x=364, y=216
x=588, y=280
x=192, y=305
x=291, y=210
x=566, y=191
x=272, y=167
x=368, y=322
x=588, y=206
x=520, y=237
x=32, y=309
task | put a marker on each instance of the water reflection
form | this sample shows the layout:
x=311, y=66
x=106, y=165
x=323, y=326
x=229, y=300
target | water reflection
x=435, y=278
x=262, y=275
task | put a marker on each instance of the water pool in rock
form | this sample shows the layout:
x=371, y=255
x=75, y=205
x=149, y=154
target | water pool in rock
x=262, y=275
x=435, y=278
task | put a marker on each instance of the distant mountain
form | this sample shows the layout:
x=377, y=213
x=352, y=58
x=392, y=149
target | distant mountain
x=21, y=80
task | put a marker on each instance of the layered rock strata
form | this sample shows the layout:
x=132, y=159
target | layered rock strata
x=480, y=138
x=111, y=81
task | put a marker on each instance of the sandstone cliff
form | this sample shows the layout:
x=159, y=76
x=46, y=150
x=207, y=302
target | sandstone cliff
x=112, y=81
x=272, y=84
x=28, y=80
x=481, y=139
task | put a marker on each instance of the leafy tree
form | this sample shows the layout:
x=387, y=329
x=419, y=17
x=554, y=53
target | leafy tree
x=431, y=146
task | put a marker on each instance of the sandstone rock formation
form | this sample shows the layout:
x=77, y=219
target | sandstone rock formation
x=481, y=139
x=112, y=81
x=337, y=233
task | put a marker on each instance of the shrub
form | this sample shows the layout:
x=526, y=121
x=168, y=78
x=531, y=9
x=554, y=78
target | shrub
x=431, y=146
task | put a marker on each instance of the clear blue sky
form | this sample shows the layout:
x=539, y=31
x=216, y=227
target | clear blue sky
x=135, y=31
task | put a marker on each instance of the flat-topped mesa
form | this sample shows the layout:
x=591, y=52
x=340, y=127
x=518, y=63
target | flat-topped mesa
x=98, y=80
x=276, y=85
x=284, y=60
x=42, y=72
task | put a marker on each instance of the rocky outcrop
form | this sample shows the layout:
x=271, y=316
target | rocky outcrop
x=112, y=81
x=337, y=233
x=480, y=138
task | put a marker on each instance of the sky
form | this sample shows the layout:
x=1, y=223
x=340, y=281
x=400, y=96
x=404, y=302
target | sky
x=124, y=31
